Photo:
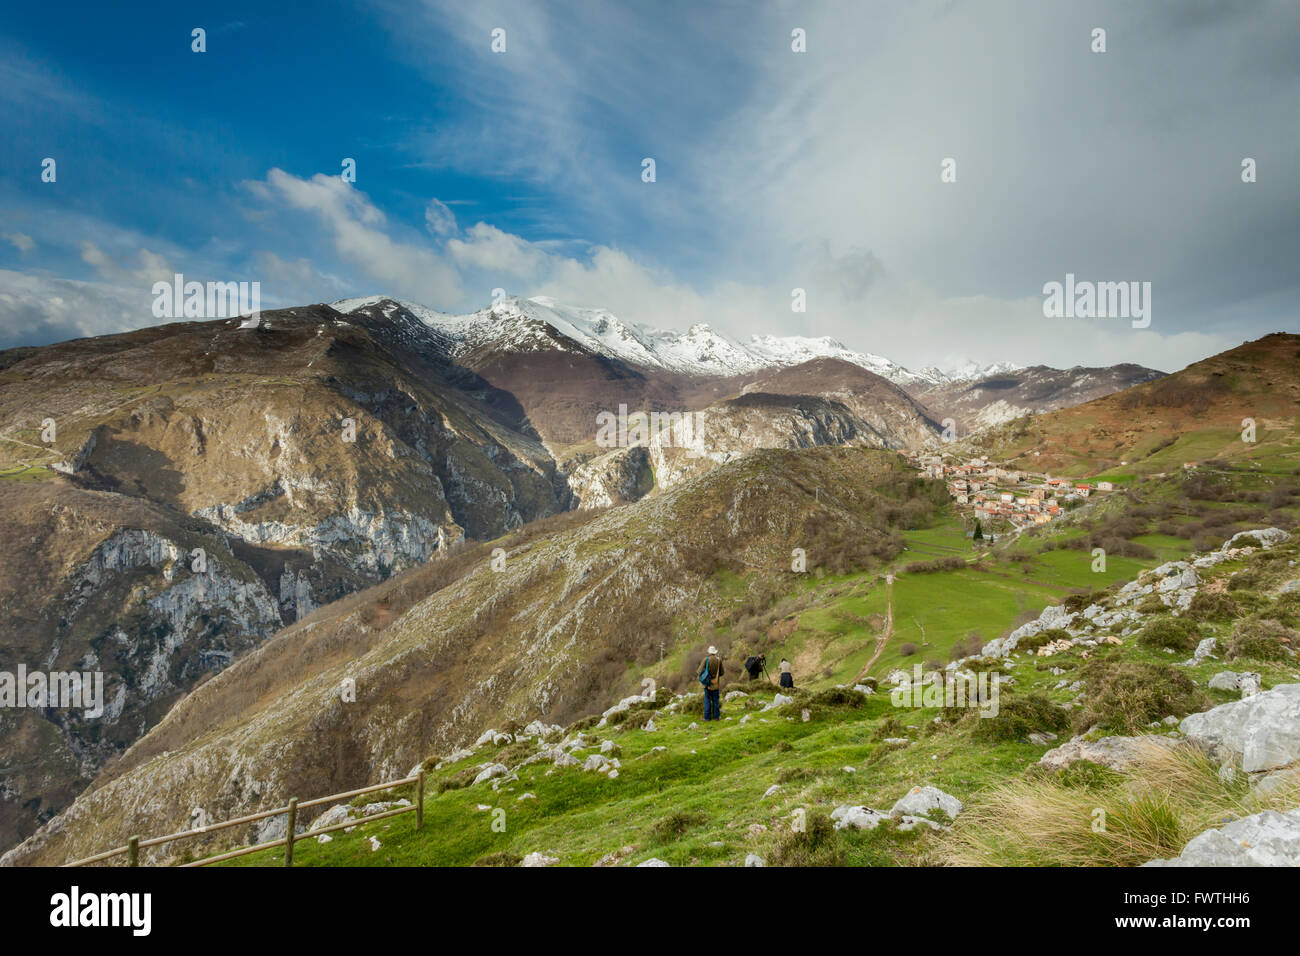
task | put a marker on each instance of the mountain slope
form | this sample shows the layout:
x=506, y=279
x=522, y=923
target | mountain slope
x=997, y=397
x=559, y=631
x=234, y=441
x=1191, y=416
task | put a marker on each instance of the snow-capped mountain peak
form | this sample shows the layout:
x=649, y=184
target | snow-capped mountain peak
x=529, y=324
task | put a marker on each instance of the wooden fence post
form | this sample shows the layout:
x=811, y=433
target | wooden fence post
x=288, y=833
x=419, y=800
x=133, y=851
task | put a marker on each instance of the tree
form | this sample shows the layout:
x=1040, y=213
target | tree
x=979, y=531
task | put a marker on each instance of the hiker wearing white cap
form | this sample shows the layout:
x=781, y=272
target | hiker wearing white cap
x=710, y=675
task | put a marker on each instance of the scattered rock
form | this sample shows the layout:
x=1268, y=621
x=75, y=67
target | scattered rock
x=653, y=861
x=1264, y=729
x=922, y=801
x=753, y=859
x=1261, y=839
x=1248, y=682
x=490, y=771
x=539, y=859
x=860, y=818
x=1117, y=753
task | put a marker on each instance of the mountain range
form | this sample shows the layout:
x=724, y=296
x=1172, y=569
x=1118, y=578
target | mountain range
x=187, y=490
x=516, y=323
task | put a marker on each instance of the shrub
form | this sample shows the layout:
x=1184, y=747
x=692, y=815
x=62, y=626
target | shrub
x=817, y=844
x=1151, y=604
x=675, y=825
x=1034, y=641
x=500, y=858
x=1077, y=602
x=908, y=649
x=457, y=781
x=1174, y=632
x=1018, y=717
x=1262, y=640
x=1212, y=607
x=889, y=727
x=1126, y=696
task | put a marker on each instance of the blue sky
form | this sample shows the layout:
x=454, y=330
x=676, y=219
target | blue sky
x=775, y=169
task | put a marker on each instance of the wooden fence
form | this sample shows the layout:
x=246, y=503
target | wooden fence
x=135, y=844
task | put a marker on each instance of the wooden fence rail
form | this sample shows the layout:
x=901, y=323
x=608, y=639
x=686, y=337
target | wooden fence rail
x=135, y=844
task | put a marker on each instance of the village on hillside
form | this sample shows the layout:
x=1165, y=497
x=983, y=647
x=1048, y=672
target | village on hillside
x=1013, y=498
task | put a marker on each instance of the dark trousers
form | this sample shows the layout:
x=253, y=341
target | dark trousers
x=712, y=705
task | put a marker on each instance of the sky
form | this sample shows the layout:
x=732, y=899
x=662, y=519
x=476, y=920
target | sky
x=775, y=170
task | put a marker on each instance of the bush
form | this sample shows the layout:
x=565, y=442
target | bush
x=1262, y=640
x=889, y=727
x=1042, y=638
x=908, y=649
x=676, y=824
x=1018, y=717
x=817, y=844
x=500, y=858
x=457, y=781
x=968, y=646
x=1151, y=604
x=1173, y=632
x=1077, y=602
x=1212, y=607
x=1126, y=696
x=939, y=564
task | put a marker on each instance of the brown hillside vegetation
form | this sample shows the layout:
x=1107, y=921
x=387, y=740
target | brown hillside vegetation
x=1195, y=415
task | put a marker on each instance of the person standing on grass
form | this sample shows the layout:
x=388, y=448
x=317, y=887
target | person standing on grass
x=787, y=679
x=710, y=675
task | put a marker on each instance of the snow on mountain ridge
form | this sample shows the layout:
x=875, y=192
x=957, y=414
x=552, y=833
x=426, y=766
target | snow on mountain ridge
x=519, y=324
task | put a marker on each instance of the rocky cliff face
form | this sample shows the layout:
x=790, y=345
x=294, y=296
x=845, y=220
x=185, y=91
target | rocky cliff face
x=290, y=464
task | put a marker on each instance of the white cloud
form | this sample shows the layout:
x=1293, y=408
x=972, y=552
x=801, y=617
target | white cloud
x=21, y=241
x=439, y=219
x=356, y=227
x=37, y=309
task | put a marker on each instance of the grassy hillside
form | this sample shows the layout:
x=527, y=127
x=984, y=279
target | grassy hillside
x=1195, y=415
x=695, y=794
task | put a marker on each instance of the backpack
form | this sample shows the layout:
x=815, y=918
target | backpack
x=705, y=679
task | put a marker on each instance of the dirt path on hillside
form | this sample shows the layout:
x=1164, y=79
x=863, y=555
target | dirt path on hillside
x=885, y=634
